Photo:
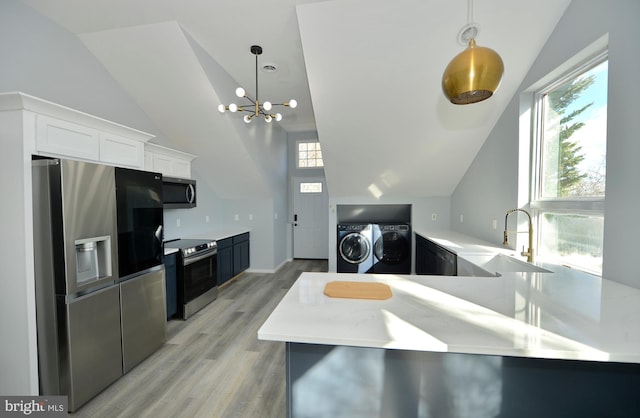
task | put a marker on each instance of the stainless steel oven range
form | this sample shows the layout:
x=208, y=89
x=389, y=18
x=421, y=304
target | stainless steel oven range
x=196, y=274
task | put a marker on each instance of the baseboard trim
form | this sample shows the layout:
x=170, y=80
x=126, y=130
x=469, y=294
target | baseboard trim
x=269, y=271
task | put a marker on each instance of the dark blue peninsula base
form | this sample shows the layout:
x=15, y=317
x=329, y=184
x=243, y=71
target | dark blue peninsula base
x=342, y=381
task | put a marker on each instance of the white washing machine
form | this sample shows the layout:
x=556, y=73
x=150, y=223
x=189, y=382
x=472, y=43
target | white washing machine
x=355, y=249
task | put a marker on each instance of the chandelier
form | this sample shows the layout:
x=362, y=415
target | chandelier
x=255, y=108
x=474, y=74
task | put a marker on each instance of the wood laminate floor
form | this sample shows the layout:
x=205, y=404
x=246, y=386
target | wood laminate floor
x=212, y=365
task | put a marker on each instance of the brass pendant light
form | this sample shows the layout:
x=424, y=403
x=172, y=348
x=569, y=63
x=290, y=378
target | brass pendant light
x=474, y=74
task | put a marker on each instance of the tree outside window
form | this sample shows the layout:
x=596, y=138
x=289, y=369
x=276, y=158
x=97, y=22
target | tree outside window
x=570, y=174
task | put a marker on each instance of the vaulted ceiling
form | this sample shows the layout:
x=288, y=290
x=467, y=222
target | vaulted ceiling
x=366, y=73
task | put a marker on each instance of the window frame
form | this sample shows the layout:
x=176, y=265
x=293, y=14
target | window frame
x=591, y=206
x=310, y=191
x=297, y=154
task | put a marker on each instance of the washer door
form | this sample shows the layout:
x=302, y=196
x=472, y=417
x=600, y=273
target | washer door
x=391, y=248
x=354, y=248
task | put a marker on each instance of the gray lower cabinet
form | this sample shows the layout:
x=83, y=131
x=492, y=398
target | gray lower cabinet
x=233, y=256
x=240, y=253
x=332, y=381
x=432, y=259
x=225, y=260
x=170, y=270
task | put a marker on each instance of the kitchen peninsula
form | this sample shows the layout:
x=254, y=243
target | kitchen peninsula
x=524, y=344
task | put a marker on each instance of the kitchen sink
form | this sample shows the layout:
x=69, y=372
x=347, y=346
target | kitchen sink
x=494, y=264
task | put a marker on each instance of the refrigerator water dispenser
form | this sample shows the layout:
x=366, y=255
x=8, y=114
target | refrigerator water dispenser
x=93, y=259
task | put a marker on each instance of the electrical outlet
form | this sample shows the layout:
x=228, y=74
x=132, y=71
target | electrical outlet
x=461, y=218
x=206, y=219
x=178, y=222
x=251, y=216
x=494, y=223
x=434, y=216
x=236, y=217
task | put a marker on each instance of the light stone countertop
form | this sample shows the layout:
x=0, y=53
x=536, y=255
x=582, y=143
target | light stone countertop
x=219, y=234
x=214, y=235
x=563, y=314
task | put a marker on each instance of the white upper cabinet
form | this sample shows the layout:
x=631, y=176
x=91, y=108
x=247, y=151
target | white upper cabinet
x=68, y=133
x=62, y=138
x=63, y=132
x=121, y=151
x=169, y=162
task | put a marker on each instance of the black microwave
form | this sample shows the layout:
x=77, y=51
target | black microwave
x=178, y=193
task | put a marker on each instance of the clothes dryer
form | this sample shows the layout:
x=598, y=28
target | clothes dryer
x=355, y=250
x=392, y=248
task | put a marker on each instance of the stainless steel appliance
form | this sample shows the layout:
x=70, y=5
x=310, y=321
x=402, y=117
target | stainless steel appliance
x=179, y=193
x=142, y=274
x=196, y=274
x=76, y=274
x=355, y=253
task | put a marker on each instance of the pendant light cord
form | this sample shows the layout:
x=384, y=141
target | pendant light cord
x=257, y=96
x=470, y=11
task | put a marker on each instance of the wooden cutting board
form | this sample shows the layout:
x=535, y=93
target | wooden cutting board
x=357, y=290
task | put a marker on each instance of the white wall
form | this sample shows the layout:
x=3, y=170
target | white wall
x=43, y=60
x=18, y=369
x=489, y=187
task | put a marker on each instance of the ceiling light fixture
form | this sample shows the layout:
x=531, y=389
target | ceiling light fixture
x=256, y=108
x=474, y=74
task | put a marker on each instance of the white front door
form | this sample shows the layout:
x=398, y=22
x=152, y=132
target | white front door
x=310, y=218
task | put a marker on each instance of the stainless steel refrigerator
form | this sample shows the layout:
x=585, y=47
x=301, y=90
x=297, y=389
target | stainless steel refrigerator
x=100, y=282
x=76, y=272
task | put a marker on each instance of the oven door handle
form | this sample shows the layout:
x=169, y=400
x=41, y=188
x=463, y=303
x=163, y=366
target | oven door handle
x=192, y=260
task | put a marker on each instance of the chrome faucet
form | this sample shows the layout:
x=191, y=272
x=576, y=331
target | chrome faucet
x=529, y=253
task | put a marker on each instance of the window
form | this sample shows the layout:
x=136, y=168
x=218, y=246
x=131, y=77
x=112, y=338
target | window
x=315, y=187
x=309, y=155
x=569, y=170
